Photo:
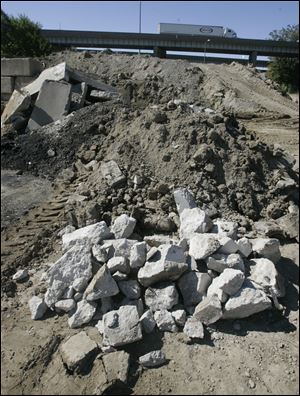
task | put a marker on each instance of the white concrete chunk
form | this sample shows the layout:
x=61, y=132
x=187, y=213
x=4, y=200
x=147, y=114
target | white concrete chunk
x=80, y=284
x=228, y=245
x=194, y=221
x=152, y=359
x=209, y=310
x=179, y=316
x=203, y=245
x=184, y=199
x=118, y=247
x=230, y=281
x=193, y=286
x=268, y=248
x=55, y=292
x=123, y=226
x=161, y=296
x=138, y=254
x=147, y=321
x=89, y=235
x=130, y=288
x=102, y=285
x=99, y=253
x=165, y=321
x=118, y=263
x=83, y=314
x=219, y=262
x=116, y=366
x=158, y=240
x=193, y=328
x=225, y=228
x=20, y=275
x=245, y=247
x=263, y=273
x=37, y=307
x=65, y=305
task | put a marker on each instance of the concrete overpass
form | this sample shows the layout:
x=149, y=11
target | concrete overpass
x=161, y=43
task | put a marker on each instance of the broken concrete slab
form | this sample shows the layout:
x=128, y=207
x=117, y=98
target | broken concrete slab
x=219, y=262
x=165, y=321
x=268, y=248
x=53, y=102
x=194, y=221
x=123, y=226
x=245, y=247
x=112, y=173
x=99, y=253
x=225, y=228
x=193, y=328
x=118, y=247
x=116, y=365
x=118, y=263
x=89, y=235
x=179, y=316
x=153, y=359
x=264, y=274
x=102, y=285
x=147, y=321
x=209, y=310
x=55, y=292
x=193, y=286
x=20, y=67
x=122, y=326
x=184, y=199
x=83, y=314
x=77, y=350
x=130, y=288
x=138, y=254
x=37, y=307
x=203, y=245
x=138, y=303
x=170, y=265
x=228, y=245
x=7, y=85
x=18, y=102
x=161, y=296
x=229, y=281
x=246, y=302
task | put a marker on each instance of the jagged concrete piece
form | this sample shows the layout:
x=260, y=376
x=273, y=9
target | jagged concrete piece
x=147, y=321
x=219, y=262
x=161, y=296
x=112, y=173
x=89, y=235
x=118, y=263
x=225, y=228
x=193, y=286
x=138, y=254
x=122, y=326
x=230, y=281
x=179, y=316
x=209, y=310
x=116, y=366
x=194, y=221
x=54, y=292
x=130, y=288
x=246, y=302
x=123, y=226
x=170, y=266
x=193, y=328
x=18, y=102
x=263, y=273
x=37, y=307
x=83, y=314
x=203, y=245
x=152, y=359
x=77, y=349
x=268, y=248
x=53, y=102
x=245, y=247
x=228, y=245
x=102, y=285
x=165, y=321
x=157, y=240
x=184, y=200
x=65, y=305
x=118, y=247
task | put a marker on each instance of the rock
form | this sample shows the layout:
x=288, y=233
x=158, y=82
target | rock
x=78, y=296
x=263, y=273
x=20, y=275
x=118, y=263
x=158, y=240
x=194, y=221
x=65, y=305
x=151, y=253
x=122, y=326
x=165, y=321
x=170, y=266
x=193, y=328
x=184, y=199
x=219, y=262
x=77, y=350
x=112, y=174
x=203, y=245
x=37, y=307
x=102, y=285
x=152, y=359
x=245, y=247
x=228, y=246
x=106, y=305
x=89, y=235
x=209, y=310
x=99, y=253
x=193, y=286
x=192, y=263
x=118, y=247
x=119, y=276
x=246, y=302
x=161, y=296
x=268, y=248
x=138, y=254
x=123, y=226
x=269, y=228
x=130, y=289
x=226, y=228
x=230, y=281
x=116, y=366
x=83, y=314
x=66, y=230
x=80, y=284
x=136, y=303
x=290, y=224
x=99, y=326
x=147, y=321
x=54, y=292
x=68, y=293
x=179, y=316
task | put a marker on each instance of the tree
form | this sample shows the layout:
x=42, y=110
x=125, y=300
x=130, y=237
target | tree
x=22, y=37
x=285, y=70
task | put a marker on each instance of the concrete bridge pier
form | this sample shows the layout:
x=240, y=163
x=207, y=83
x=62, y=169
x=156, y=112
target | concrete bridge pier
x=253, y=58
x=159, y=52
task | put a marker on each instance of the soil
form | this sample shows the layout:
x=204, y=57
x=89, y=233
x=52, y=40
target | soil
x=149, y=138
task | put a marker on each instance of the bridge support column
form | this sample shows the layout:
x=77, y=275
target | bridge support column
x=253, y=58
x=159, y=52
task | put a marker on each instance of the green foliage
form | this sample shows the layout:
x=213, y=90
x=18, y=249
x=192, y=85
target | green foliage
x=285, y=70
x=22, y=38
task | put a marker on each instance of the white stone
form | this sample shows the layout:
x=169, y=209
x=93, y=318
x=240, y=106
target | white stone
x=66, y=230
x=158, y=240
x=37, y=307
x=118, y=263
x=193, y=286
x=100, y=327
x=245, y=247
x=225, y=228
x=138, y=303
x=68, y=293
x=194, y=221
x=209, y=310
x=65, y=305
x=268, y=248
x=130, y=288
x=152, y=359
x=203, y=245
x=138, y=254
x=193, y=328
x=102, y=285
x=116, y=366
x=123, y=226
x=263, y=273
x=20, y=275
x=147, y=321
x=161, y=296
x=170, y=266
x=80, y=284
x=228, y=245
x=165, y=321
x=246, y=302
x=55, y=292
x=151, y=253
x=219, y=262
x=99, y=253
x=122, y=326
x=118, y=247
x=179, y=316
x=89, y=235
x=229, y=281
x=184, y=199
x=83, y=314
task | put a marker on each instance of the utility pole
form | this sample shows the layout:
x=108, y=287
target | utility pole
x=140, y=22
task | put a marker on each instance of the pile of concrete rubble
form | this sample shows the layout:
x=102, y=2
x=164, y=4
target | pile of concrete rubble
x=128, y=287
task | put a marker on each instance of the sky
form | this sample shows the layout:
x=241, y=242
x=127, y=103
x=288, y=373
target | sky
x=249, y=19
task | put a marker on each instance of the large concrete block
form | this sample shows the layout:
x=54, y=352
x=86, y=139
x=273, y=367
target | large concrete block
x=22, y=81
x=18, y=102
x=7, y=85
x=20, y=67
x=52, y=103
